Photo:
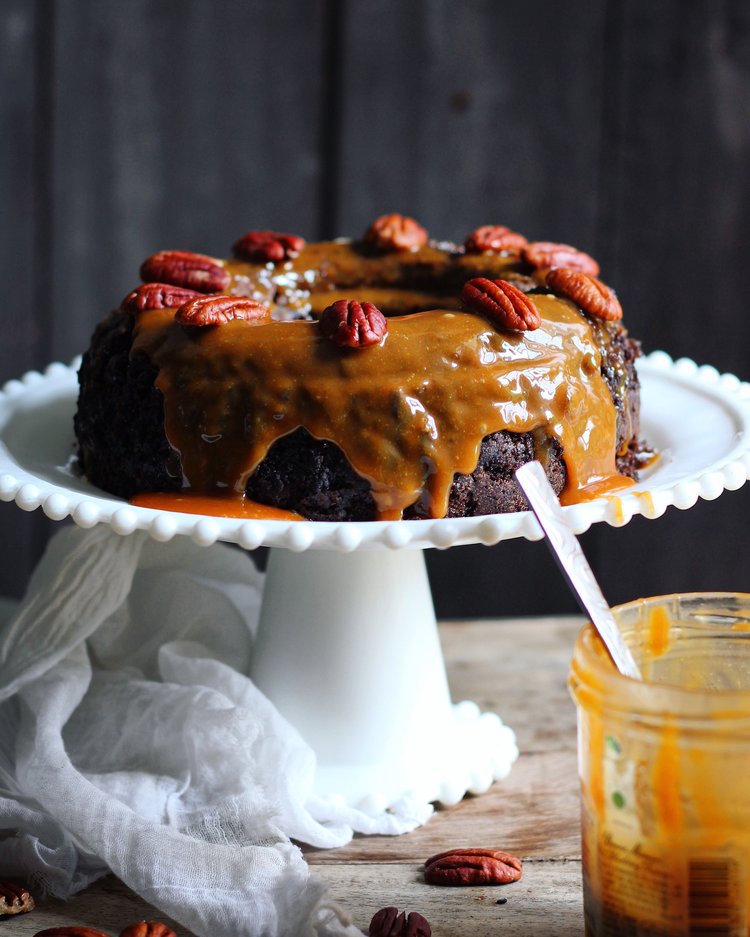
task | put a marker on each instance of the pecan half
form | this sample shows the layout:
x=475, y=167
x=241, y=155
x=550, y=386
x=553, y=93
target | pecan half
x=353, y=325
x=395, y=233
x=183, y=268
x=549, y=254
x=267, y=246
x=74, y=930
x=148, y=929
x=503, y=303
x=472, y=867
x=586, y=291
x=494, y=238
x=157, y=296
x=215, y=310
x=387, y=922
x=15, y=899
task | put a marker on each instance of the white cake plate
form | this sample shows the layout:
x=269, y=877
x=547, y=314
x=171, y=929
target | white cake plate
x=347, y=645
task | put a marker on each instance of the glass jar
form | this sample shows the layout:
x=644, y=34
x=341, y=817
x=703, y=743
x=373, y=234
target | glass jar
x=664, y=766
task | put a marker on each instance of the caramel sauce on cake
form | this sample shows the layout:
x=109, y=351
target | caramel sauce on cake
x=329, y=270
x=408, y=413
x=225, y=505
x=459, y=364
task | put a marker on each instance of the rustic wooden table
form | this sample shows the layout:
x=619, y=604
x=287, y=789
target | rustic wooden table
x=517, y=668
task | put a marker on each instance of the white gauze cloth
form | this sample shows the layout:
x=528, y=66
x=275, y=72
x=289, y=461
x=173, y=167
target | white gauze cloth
x=131, y=741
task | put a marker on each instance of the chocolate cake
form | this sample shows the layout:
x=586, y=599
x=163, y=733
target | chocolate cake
x=386, y=377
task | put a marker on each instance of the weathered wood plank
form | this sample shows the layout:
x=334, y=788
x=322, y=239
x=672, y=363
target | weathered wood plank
x=107, y=905
x=533, y=813
x=476, y=116
x=25, y=39
x=701, y=550
x=621, y=127
x=498, y=120
x=675, y=218
x=20, y=171
x=176, y=125
x=673, y=230
x=496, y=666
x=515, y=577
x=547, y=901
x=165, y=125
x=519, y=670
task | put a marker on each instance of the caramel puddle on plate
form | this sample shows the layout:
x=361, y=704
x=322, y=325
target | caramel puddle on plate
x=213, y=506
x=603, y=488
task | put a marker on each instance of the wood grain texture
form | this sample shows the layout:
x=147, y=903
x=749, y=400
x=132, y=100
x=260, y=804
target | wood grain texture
x=177, y=125
x=675, y=220
x=19, y=175
x=674, y=230
x=25, y=39
x=547, y=902
x=621, y=127
x=519, y=669
x=476, y=116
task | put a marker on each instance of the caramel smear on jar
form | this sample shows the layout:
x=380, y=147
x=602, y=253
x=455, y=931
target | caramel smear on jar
x=408, y=413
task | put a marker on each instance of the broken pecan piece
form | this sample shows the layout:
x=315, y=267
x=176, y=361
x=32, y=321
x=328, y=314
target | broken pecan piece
x=148, y=929
x=493, y=238
x=395, y=233
x=353, y=325
x=183, y=268
x=67, y=930
x=549, y=254
x=472, y=867
x=15, y=899
x=267, y=246
x=215, y=310
x=502, y=302
x=586, y=291
x=157, y=296
x=387, y=922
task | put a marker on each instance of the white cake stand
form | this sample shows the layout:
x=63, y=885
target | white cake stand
x=347, y=646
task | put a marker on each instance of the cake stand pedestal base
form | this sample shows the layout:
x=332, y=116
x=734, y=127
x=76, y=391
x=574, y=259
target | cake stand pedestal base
x=348, y=651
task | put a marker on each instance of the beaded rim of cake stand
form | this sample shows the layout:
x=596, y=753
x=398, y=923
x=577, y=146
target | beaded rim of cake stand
x=91, y=506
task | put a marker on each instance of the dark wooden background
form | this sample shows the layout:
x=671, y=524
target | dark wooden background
x=621, y=126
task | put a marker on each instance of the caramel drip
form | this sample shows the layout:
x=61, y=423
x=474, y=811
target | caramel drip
x=408, y=414
x=189, y=502
x=658, y=638
x=603, y=488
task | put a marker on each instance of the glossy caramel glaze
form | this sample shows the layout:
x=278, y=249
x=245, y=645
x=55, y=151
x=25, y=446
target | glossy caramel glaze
x=329, y=270
x=408, y=413
x=189, y=502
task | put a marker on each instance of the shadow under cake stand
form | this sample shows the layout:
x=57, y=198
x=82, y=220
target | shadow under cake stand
x=347, y=646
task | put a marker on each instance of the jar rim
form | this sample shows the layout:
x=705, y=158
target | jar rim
x=592, y=669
